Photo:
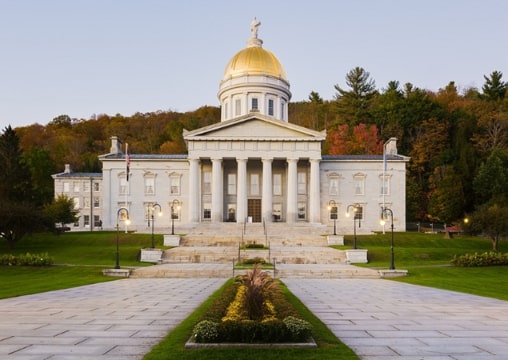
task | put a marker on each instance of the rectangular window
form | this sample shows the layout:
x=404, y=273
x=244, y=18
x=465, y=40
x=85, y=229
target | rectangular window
x=96, y=186
x=385, y=185
x=76, y=186
x=334, y=186
x=207, y=182
x=359, y=184
x=301, y=211
x=86, y=202
x=255, y=104
x=97, y=221
x=302, y=183
x=149, y=186
x=207, y=211
x=86, y=186
x=231, y=184
x=238, y=107
x=124, y=186
x=96, y=202
x=76, y=202
x=254, y=184
x=282, y=114
x=175, y=185
x=270, y=107
x=86, y=220
x=277, y=184
x=66, y=187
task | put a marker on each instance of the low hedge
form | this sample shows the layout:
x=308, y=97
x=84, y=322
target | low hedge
x=26, y=260
x=477, y=260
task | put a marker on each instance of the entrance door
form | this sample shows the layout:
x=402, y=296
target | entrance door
x=254, y=209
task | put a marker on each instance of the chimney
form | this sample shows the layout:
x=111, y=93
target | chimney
x=116, y=145
x=68, y=169
x=391, y=146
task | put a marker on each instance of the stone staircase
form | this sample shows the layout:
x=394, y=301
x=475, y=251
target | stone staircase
x=297, y=250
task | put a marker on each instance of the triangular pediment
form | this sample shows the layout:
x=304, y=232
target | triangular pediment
x=254, y=127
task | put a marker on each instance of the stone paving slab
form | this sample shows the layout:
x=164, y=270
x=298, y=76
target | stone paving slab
x=115, y=320
x=387, y=320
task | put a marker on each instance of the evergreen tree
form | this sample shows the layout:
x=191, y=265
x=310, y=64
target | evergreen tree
x=494, y=88
x=353, y=106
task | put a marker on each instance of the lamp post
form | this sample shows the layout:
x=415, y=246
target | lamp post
x=175, y=207
x=151, y=210
x=332, y=208
x=384, y=211
x=125, y=212
x=356, y=209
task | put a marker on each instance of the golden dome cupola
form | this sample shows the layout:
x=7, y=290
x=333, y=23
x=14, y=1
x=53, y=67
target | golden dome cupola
x=254, y=81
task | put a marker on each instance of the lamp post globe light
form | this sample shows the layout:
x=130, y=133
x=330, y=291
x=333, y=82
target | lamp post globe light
x=175, y=208
x=125, y=217
x=332, y=208
x=356, y=208
x=384, y=213
x=151, y=215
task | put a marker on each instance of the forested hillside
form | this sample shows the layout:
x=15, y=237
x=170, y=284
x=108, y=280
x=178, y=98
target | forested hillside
x=457, y=139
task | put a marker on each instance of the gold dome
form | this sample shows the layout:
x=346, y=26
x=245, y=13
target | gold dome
x=254, y=60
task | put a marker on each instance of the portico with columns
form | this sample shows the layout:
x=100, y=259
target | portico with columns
x=254, y=168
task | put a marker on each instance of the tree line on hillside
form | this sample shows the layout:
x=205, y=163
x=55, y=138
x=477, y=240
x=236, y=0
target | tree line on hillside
x=457, y=140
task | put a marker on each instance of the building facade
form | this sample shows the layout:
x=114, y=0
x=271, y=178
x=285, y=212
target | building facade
x=252, y=166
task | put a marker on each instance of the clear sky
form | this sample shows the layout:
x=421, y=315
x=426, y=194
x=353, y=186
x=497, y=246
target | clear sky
x=85, y=57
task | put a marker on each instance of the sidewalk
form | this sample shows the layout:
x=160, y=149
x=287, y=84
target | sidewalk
x=121, y=319
x=387, y=320
x=378, y=319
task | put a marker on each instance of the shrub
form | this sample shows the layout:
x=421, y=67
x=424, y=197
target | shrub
x=206, y=331
x=258, y=283
x=477, y=260
x=301, y=330
x=26, y=260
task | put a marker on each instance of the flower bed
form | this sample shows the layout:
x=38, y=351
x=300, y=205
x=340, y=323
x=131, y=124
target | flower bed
x=252, y=310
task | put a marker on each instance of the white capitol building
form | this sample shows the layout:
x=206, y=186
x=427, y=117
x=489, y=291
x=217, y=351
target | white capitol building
x=254, y=166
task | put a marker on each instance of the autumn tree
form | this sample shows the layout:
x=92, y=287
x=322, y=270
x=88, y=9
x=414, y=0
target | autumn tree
x=447, y=197
x=358, y=140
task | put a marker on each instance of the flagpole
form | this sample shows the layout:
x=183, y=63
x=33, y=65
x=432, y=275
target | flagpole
x=127, y=164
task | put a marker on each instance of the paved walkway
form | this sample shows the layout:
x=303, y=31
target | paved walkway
x=116, y=320
x=382, y=320
x=378, y=319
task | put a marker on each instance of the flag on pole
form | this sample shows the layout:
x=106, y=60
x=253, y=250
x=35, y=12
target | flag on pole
x=127, y=160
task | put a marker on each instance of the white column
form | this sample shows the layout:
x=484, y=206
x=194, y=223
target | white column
x=292, y=191
x=241, y=196
x=194, y=190
x=314, y=192
x=266, y=202
x=217, y=190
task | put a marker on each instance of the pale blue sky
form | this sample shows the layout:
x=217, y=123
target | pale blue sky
x=84, y=57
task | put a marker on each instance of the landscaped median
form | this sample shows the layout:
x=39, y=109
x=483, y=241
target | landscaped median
x=277, y=326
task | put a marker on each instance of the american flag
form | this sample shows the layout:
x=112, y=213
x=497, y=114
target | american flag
x=127, y=160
